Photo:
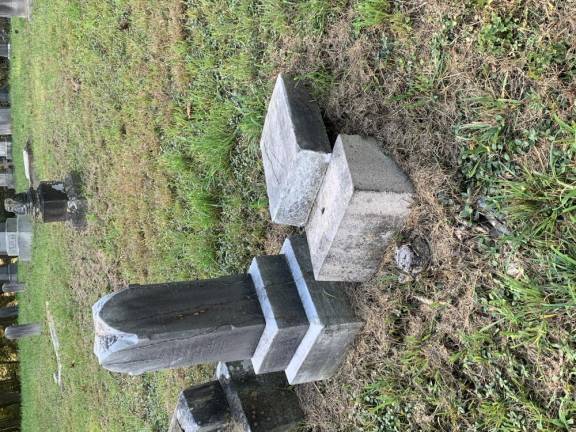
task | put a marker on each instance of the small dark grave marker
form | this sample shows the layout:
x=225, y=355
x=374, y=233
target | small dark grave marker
x=240, y=401
x=51, y=201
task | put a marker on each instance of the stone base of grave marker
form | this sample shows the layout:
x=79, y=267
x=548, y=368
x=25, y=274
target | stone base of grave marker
x=333, y=324
x=364, y=200
x=295, y=151
x=239, y=401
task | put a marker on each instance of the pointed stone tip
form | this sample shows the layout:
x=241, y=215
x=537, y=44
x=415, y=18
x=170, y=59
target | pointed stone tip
x=108, y=340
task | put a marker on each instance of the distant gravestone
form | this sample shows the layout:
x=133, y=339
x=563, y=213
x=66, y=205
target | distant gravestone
x=51, y=201
x=363, y=202
x=238, y=401
x=295, y=151
x=7, y=179
x=13, y=287
x=16, y=238
x=4, y=96
x=15, y=332
x=9, y=312
x=5, y=50
x=15, y=8
x=8, y=272
x=277, y=316
x=6, y=149
x=5, y=121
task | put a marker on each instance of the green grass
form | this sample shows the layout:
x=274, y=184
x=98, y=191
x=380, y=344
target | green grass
x=160, y=108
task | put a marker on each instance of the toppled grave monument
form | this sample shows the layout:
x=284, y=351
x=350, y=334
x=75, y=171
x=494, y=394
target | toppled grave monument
x=238, y=400
x=51, y=201
x=278, y=316
x=295, y=151
x=351, y=201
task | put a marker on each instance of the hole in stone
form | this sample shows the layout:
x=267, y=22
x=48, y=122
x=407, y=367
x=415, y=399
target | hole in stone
x=322, y=211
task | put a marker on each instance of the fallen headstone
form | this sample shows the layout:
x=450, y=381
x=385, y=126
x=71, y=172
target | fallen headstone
x=295, y=151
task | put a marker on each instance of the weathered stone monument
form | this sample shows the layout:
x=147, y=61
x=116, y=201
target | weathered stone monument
x=277, y=315
x=7, y=179
x=9, y=312
x=238, y=400
x=5, y=50
x=6, y=148
x=8, y=272
x=15, y=332
x=4, y=96
x=351, y=201
x=51, y=201
x=15, y=8
x=363, y=202
x=5, y=121
x=295, y=150
x=16, y=237
x=13, y=287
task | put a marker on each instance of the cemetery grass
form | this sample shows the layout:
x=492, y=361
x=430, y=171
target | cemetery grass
x=159, y=107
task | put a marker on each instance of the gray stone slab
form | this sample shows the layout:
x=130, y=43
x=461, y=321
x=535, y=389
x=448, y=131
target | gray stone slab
x=295, y=151
x=153, y=327
x=15, y=8
x=15, y=332
x=259, y=403
x=5, y=50
x=13, y=287
x=7, y=180
x=202, y=408
x=5, y=121
x=286, y=321
x=333, y=325
x=8, y=272
x=364, y=200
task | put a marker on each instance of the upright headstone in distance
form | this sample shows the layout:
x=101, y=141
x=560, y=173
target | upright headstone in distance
x=8, y=272
x=13, y=287
x=16, y=238
x=7, y=179
x=51, y=201
x=15, y=332
x=6, y=149
x=363, y=202
x=15, y=8
x=5, y=50
x=295, y=151
x=5, y=121
x=9, y=312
